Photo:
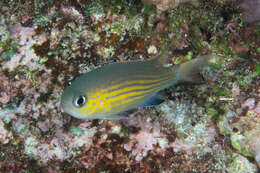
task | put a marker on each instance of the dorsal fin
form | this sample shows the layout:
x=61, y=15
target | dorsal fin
x=161, y=59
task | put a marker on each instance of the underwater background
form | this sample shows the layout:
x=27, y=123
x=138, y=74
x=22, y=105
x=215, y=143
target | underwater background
x=213, y=127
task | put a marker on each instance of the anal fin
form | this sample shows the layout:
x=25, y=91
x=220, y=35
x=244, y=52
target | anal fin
x=153, y=101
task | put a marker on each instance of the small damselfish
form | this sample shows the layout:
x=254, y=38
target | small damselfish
x=110, y=91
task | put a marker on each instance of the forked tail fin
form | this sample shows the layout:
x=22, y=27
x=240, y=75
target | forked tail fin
x=189, y=72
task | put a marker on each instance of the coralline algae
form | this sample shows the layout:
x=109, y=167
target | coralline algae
x=207, y=128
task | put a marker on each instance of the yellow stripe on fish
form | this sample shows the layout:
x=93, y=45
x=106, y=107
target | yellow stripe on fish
x=108, y=91
x=103, y=100
x=138, y=79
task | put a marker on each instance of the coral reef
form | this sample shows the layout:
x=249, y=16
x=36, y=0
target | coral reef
x=251, y=8
x=164, y=4
x=213, y=127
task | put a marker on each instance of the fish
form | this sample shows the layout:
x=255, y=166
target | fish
x=110, y=91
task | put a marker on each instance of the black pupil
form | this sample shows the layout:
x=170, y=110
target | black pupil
x=80, y=101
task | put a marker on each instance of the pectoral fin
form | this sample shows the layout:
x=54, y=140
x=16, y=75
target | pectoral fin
x=153, y=101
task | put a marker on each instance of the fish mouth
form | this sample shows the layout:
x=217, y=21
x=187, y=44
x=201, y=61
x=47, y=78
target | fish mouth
x=65, y=100
x=64, y=107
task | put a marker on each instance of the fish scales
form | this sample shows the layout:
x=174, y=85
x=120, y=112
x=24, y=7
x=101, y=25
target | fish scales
x=117, y=96
x=108, y=91
x=124, y=93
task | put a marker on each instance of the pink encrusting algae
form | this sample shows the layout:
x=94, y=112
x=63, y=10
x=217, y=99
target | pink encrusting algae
x=213, y=127
x=145, y=140
x=6, y=93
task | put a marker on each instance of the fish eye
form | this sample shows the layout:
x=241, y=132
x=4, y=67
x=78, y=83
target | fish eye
x=80, y=101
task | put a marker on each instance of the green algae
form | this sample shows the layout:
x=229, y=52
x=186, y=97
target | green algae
x=42, y=20
x=224, y=126
x=8, y=46
x=128, y=8
x=204, y=33
x=238, y=141
x=148, y=10
x=8, y=54
x=95, y=7
x=76, y=131
x=240, y=164
x=215, y=66
x=189, y=55
x=212, y=113
x=258, y=50
x=31, y=75
x=245, y=81
x=221, y=93
x=257, y=69
x=43, y=60
x=13, y=104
